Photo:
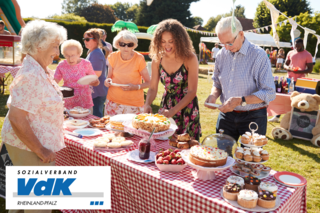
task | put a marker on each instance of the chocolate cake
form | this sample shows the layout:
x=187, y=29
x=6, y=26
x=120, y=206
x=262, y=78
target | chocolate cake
x=67, y=92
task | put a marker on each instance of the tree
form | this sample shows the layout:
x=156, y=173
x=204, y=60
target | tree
x=132, y=12
x=160, y=10
x=74, y=6
x=197, y=20
x=98, y=13
x=292, y=8
x=69, y=17
x=213, y=21
x=120, y=10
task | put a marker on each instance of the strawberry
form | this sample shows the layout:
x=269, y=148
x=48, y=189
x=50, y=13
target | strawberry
x=159, y=155
x=180, y=161
x=160, y=158
x=168, y=157
x=173, y=161
x=160, y=161
x=167, y=152
x=178, y=156
x=177, y=150
x=173, y=155
x=165, y=162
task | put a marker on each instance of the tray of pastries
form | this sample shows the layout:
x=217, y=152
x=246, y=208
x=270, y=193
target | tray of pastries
x=253, y=140
x=251, y=154
x=100, y=123
x=245, y=169
x=183, y=141
x=111, y=142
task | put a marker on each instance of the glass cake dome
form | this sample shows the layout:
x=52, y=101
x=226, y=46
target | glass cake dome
x=221, y=141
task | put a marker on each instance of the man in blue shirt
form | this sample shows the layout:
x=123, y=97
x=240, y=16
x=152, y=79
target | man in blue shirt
x=243, y=80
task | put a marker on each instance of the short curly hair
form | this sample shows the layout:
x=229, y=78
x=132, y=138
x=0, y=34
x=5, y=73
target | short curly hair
x=182, y=41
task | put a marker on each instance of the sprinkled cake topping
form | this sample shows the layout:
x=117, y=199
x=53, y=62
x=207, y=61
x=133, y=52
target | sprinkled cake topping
x=236, y=179
x=208, y=152
x=268, y=186
x=248, y=194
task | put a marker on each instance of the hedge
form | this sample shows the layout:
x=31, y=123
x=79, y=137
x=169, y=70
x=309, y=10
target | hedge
x=76, y=30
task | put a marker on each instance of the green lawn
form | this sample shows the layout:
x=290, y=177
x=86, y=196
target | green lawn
x=297, y=156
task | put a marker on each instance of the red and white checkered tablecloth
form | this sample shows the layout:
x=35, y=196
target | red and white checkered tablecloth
x=13, y=70
x=137, y=187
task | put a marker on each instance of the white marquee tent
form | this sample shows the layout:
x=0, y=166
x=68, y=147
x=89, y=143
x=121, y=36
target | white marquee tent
x=264, y=40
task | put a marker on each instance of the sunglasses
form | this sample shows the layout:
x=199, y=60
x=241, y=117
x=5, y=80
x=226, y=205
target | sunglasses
x=87, y=39
x=122, y=44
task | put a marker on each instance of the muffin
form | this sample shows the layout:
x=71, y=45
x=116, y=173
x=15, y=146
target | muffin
x=193, y=142
x=256, y=156
x=231, y=191
x=265, y=155
x=266, y=170
x=236, y=180
x=267, y=199
x=258, y=141
x=245, y=139
x=252, y=183
x=247, y=199
x=247, y=156
x=173, y=141
x=264, y=139
x=183, y=145
x=269, y=186
x=239, y=154
x=239, y=148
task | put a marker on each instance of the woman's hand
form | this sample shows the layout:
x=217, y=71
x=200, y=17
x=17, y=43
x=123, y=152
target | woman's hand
x=168, y=113
x=95, y=83
x=147, y=108
x=107, y=82
x=46, y=155
x=130, y=87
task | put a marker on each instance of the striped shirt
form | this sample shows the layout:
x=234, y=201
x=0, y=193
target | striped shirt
x=246, y=72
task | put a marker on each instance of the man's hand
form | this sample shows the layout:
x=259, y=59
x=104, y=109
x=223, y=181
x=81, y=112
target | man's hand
x=212, y=100
x=230, y=104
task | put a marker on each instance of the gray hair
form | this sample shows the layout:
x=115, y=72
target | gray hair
x=71, y=43
x=39, y=34
x=127, y=36
x=225, y=24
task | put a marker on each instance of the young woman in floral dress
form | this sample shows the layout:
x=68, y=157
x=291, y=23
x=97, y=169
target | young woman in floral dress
x=175, y=64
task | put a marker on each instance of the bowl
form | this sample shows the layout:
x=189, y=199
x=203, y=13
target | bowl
x=171, y=167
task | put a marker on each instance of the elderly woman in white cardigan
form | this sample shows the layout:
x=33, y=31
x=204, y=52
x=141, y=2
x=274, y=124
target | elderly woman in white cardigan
x=33, y=127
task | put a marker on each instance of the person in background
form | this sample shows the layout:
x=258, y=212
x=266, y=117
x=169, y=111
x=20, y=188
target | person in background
x=243, y=80
x=298, y=63
x=268, y=52
x=126, y=66
x=106, y=46
x=92, y=41
x=33, y=127
x=215, y=51
x=71, y=70
x=175, y=64
x=280, y=59
x=2, y=30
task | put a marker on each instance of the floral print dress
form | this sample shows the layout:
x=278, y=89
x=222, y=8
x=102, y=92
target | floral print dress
x=176, y=87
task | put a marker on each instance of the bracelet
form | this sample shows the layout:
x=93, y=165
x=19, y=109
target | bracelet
x=139, y=86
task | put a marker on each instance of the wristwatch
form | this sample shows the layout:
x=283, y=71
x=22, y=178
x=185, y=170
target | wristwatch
x=243, y=103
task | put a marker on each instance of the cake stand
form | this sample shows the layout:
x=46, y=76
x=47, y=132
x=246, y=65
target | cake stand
x=206, y=173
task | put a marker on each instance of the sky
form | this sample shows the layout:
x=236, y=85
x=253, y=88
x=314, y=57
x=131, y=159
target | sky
x=203, y=8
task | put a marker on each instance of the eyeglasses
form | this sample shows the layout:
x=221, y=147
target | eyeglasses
x=230, y=45
x=122, y=44
x=87, y=39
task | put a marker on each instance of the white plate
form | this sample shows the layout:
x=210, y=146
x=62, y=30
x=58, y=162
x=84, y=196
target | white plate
x=134, y=156
x=79, y=115
x=112, y=149
x=248, y=161
x=261, y=176
x=119, y=85
x=163, y=139
x=286, y=184
x=88, y=132
x=256, y=209
x=212, y=105
x=87, y=79
x=68, y=124
x=97, y=127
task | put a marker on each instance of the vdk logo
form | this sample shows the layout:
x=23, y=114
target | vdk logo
x=45, y=187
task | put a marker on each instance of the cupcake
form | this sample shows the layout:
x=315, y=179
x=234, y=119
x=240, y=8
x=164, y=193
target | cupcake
x=246, y=148
x=247, y=199
x=248, y=134
x=231, y=191
x=264, y=139
x=247, y=156
x=258, y=141
x=264, y=155
x=256, y=156
x=266, y=199
x=239, y=148
x=239, y=154
x=266, y=170
x=235, y=179
x=245, y=139
x=255, y=135
x=269, y=186
x=252, y=183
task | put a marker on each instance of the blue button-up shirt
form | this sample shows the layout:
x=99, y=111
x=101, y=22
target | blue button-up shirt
x=246, y=72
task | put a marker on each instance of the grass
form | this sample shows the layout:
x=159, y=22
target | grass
x=296, y=155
